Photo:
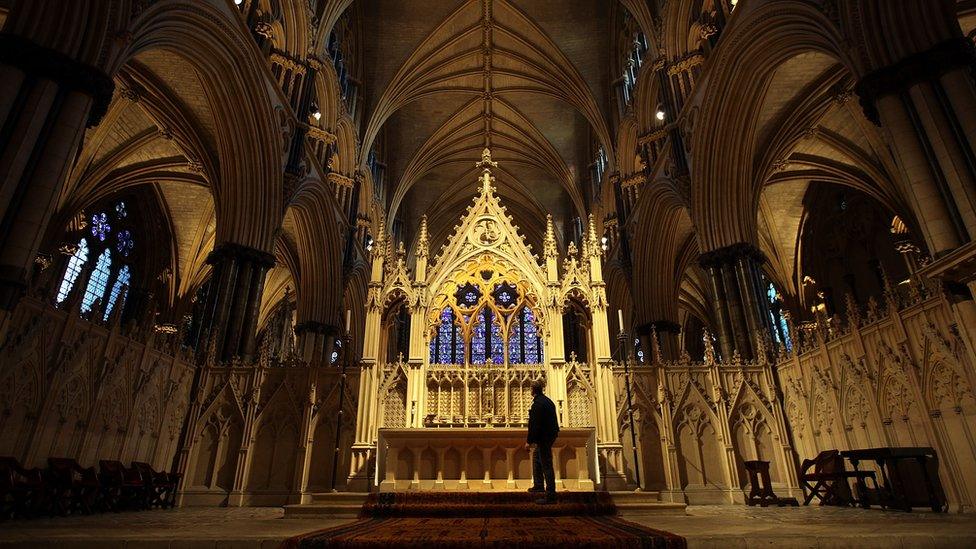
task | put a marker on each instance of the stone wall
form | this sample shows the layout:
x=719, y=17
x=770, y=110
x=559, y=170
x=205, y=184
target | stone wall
x=257, y=434
x=70, y=388
x=896, y=375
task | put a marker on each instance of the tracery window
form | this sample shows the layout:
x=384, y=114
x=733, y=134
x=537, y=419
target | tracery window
x=108, y=237
x=98, y=281
x=447, y=346
x=487, y=342
x=486, y=320
x=120, y=290
x=75, y=266
x=524, y=344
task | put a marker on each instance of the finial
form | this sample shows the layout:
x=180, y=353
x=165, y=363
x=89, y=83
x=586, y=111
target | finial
x=591, y=238
x=423, y=242
x=549, y=246
x=486, y=163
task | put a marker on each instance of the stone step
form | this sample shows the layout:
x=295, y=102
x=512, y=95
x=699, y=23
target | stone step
x=349, y=504
x=328, y=504
x=644, y=503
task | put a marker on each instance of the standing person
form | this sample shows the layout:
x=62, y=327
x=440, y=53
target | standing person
x=543, y=430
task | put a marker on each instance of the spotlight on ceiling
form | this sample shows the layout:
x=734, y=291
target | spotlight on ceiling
x=661, y=115
x=238, y=2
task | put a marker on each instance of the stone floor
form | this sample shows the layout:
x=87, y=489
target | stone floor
x=727, y=527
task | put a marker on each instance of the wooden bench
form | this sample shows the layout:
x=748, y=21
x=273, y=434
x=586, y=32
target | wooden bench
x=22, y=491
x=71, y=487
x=826, y=478
x=160, y=485
x=122, y=487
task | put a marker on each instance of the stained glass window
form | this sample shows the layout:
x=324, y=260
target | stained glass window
x=524, y=344
x=479, y=340
x=98, y=281
x=468, y=295
x=447, y=345
x=120, y=210
x=638, y=350
x=100, y=227
x=781, y=330
x=124, y=243
x=119, y=292
x=496, y=342
x=505, y=295
x=75, y=265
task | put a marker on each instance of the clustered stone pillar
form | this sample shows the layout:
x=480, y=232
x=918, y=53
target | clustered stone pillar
x=926, y=102
x=316, y=342
x=230, y=315
x=667, y=334
x=46, y=101
x=741, y=311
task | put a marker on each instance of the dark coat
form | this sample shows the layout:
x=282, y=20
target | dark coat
x=543, y=423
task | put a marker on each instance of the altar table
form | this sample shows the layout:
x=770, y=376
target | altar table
x=479, y=459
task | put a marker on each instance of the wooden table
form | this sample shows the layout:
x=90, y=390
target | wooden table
x=910, y=476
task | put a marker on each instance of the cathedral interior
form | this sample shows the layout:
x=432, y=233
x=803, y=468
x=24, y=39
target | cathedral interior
x=282, y=249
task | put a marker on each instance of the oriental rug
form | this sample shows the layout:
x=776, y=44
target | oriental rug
x=445, y=520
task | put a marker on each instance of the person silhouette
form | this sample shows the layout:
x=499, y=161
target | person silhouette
x=543, y=430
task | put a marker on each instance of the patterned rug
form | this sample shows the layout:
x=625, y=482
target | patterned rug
x=487, y=519
x=485, y=504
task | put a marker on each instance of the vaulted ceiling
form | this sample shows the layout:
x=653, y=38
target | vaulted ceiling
x=445, y=78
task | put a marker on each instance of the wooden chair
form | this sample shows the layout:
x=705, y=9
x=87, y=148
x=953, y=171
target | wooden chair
x=160, y=485
x=829, y=480
x=21, y=490
x=761, y=492
x=122, y=488
x=71, y=487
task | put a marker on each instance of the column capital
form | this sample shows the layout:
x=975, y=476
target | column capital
x=730, y=254
x=660, y=326
x=49, y=64
x=240, y=252
x=313, y=327
x=926, y=66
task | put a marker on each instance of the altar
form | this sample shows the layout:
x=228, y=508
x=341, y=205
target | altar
x=479, y=459
x=453, y=345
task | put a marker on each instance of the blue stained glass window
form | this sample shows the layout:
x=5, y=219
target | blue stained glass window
x=524, y=344
x=781, y=330
x=75, y=265
x=98, y=281
x=447, y=345
x=100, y=227
x=479, y=341
x=497, y=343
x=125, y=243
x=119, y=292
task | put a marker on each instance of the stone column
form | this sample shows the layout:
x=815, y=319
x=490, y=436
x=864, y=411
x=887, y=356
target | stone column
x=230, y=314
x=47, y=100
x=316, y=341
x=738, y=300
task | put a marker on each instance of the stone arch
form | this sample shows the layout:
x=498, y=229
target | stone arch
x=725, y=125
x=248, y=145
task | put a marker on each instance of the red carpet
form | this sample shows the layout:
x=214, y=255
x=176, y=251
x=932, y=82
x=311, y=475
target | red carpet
x=487, y=519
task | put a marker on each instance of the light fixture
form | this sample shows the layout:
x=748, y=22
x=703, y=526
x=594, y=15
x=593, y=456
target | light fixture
x=317, y=115
x=660, y=115
x=239, y=2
